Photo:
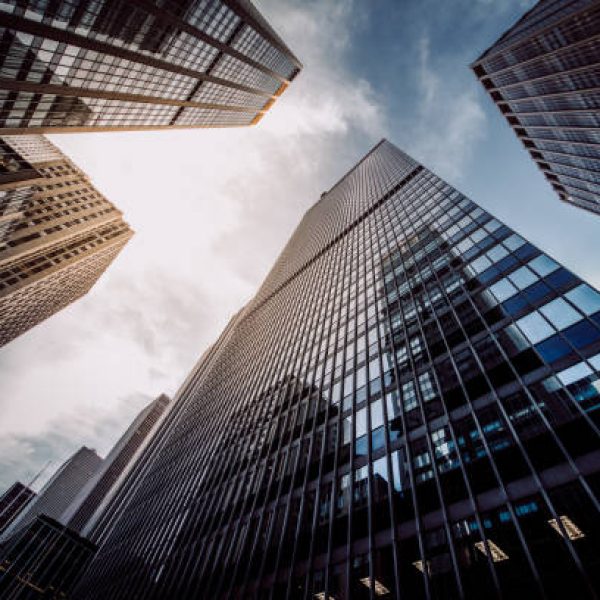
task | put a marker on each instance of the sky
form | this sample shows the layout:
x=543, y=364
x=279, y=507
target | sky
x=212, y=209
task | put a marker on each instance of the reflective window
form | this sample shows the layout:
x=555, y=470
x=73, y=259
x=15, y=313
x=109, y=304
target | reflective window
x=585, y=298
x=503, y=289
x=514, y=241
x=523, y=277
x=560, y=313
x=574, y=373
x=535, y=327
x=376, y=414
x=543, y=265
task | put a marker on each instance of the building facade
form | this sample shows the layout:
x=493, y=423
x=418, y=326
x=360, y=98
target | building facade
x=80, y=515
x=58, y=234
x=406, y=409
x=137, y=64
x=43, y=560
x=60, y=490
x=544, y=77
x=12, y=502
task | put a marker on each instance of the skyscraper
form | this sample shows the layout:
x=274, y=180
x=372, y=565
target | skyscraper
x=44, y=559
x=75, y=65
x=543, y=75
x=406, y=409
x=12, y=502
x=79, y=516
x=60, y=490
x=57, y=233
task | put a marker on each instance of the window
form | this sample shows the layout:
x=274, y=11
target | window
x=560, y=313
x=535, y=327
x=585, y=298
x=427, y=386
x=514, y=241
x=523, y=277
x=574, y=373
x=481, y=264
x=376, y=414
x=409, y=396
x=503, y=290
x=543, y=265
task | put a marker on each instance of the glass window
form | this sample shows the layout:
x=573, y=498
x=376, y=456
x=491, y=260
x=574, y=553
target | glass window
x=361, y=422
x=481, y=264
x=535, y=327
x=574, y=373
x=497, y=253
x=523, y=277
x=543, y=265
x=376, y=414
x=595, y=362
x=347, y=430
x=380, y=469
x=514, y=241
x=503, y=289
x=560, y=313
x=585, y=298
x=409, y=396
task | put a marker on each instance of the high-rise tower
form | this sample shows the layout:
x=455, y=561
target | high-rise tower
x=60, y=490
x=543, y=75
x=408, y=408
x=79, y=516
x=13, y=502
x=58, y=234
x=75, y=65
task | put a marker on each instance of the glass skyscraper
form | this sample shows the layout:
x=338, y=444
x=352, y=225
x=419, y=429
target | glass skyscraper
x=543, y=74
x=76, y=65
x=408, y=408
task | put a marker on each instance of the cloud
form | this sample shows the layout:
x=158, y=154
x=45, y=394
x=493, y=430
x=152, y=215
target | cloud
x=326, y=119
x=451, y=120
x=22, y=456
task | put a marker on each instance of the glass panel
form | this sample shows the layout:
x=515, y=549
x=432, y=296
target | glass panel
x=574, y=373
x=376, y=414
x=585, y=298
x=535, y=327
x=514, y=241
x=543, y=265
x=523, y=277
x=560, y=313
x=361, y=422
x=503, y=289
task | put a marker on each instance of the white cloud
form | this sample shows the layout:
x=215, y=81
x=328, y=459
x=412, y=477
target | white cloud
x=211, y=210
x=451, y=120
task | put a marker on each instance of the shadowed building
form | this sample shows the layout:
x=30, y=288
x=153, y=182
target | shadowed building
x=80, y=514
x=13, y=502
x=57, y=233
x=60, y=490
x=408, y=408
x=137, y=64
x=543, y=74
x=42, y=560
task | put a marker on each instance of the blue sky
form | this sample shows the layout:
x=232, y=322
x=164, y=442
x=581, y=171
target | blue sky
x=212, y=209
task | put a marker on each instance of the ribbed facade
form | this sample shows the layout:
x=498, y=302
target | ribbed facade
x=58, y=493
x=12, y=502
x=80, y=514
x=43, y=560
x=58, y=234
x=75, y=65
x=406, y=409
x=544, y=75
